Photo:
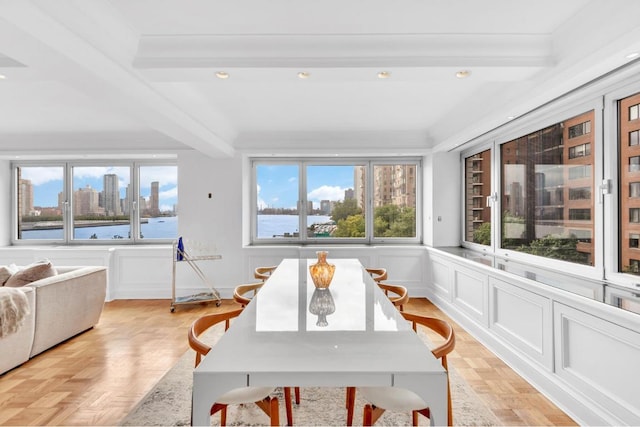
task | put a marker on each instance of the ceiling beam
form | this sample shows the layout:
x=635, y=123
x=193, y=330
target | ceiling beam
x=32, y=36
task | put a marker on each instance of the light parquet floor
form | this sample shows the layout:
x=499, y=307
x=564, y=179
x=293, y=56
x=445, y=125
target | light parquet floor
x=97, y=377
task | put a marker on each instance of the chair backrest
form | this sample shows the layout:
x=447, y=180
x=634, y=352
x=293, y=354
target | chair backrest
x=240, y=292
x=439, y=326
x=203, y=323
x=377, y=274
x=263, y=273
x=399, y=294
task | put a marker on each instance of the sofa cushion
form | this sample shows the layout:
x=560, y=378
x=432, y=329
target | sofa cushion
x=7, y=271
x=31, y=273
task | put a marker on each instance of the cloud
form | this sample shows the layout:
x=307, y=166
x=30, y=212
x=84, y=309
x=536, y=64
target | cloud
x=293, y=179
x=41, y=175
x=326, y=192
x=171, y=193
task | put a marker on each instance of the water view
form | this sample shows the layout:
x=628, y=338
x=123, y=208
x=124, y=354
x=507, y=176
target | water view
x=155, y=228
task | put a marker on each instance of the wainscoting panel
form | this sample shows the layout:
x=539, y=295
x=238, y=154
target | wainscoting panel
x=470, y=291
x=523, y=319
x=147, y=273
x=600, y=358
x=441, y=279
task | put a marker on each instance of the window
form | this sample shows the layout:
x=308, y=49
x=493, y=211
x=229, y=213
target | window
x=580, y=193
x=477, y=189
x=577, y=172
x=544, y=200
x=580, y=151
x=329, y=201
x=73, y=202
x=634, y=240
x=580, y=214
x=579, y=130
x=629, y=187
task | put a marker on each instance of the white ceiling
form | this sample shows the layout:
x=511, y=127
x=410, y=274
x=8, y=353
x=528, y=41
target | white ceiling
x=139, y=75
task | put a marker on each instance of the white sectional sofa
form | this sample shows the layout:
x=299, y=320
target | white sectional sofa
x=61, y=306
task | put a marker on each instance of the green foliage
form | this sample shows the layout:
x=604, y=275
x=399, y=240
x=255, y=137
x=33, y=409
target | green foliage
x=556, y=247
x=394, y=221
x=388, y=220
x=482, y=234
x=352, y=226
x=345, y=209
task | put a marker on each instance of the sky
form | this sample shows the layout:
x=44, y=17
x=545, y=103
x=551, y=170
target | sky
x=278, y=184
x=48, y=182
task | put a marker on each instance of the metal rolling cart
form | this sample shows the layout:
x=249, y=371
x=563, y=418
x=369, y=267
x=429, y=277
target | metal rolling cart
x=180, y=255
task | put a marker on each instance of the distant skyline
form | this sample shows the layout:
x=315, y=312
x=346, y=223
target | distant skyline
x=278, y=184
x=48, y=182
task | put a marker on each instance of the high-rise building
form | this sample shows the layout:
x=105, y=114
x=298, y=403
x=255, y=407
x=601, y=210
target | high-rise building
x=86, y=201
x=358, y=182
x=348, y=194
x=111, y=195
x=325, y=207
x=630, y=184
x=26, y=192
x=154, y=201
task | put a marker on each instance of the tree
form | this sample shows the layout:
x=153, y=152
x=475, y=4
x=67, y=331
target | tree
x=394, y=221
x=342, y=210
x=557, y=247
x=352, y=226
x=482, y=234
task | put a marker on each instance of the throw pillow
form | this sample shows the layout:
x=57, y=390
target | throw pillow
x=6, y=271
x=31, y=273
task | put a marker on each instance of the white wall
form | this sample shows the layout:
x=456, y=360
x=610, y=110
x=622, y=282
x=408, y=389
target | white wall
x=442, y=199
x=5, y=208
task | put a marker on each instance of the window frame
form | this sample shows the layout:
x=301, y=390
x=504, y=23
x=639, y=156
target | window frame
x=563, y=110
x=67, y=190
x=303, y=163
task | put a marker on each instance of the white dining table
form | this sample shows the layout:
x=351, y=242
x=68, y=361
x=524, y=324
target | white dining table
x=294, y=335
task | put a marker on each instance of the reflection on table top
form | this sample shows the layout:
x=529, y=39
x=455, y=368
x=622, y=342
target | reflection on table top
x=290, y=302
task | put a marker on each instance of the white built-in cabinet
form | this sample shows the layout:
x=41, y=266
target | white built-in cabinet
x=582, y=353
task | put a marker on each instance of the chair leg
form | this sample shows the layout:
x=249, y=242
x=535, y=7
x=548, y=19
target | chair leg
x=219, y=407
x=371, y=414
x=274, y=411
x=351, y=403
x=287, y=405
x=424, y=412
x=297, y=391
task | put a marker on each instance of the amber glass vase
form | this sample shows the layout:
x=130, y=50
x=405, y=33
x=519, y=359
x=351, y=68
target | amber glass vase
x=322, y=272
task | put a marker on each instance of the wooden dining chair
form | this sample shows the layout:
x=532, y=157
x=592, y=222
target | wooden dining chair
x=240, y=296
x=243, y=294
x=400, y=399
x=377, y=274
x=263, y=273
x=261, y=396
x=397, y=294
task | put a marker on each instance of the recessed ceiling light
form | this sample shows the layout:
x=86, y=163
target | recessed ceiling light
x=303, y=75
x=384, y=74
x=633, y=55
x=2, y=77
x=222, y=75
x=463, y=74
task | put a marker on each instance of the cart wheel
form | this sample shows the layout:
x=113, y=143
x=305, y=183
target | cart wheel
x=173, y=309
x=218, y=303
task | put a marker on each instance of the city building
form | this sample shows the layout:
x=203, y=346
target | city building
x=522, y=118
